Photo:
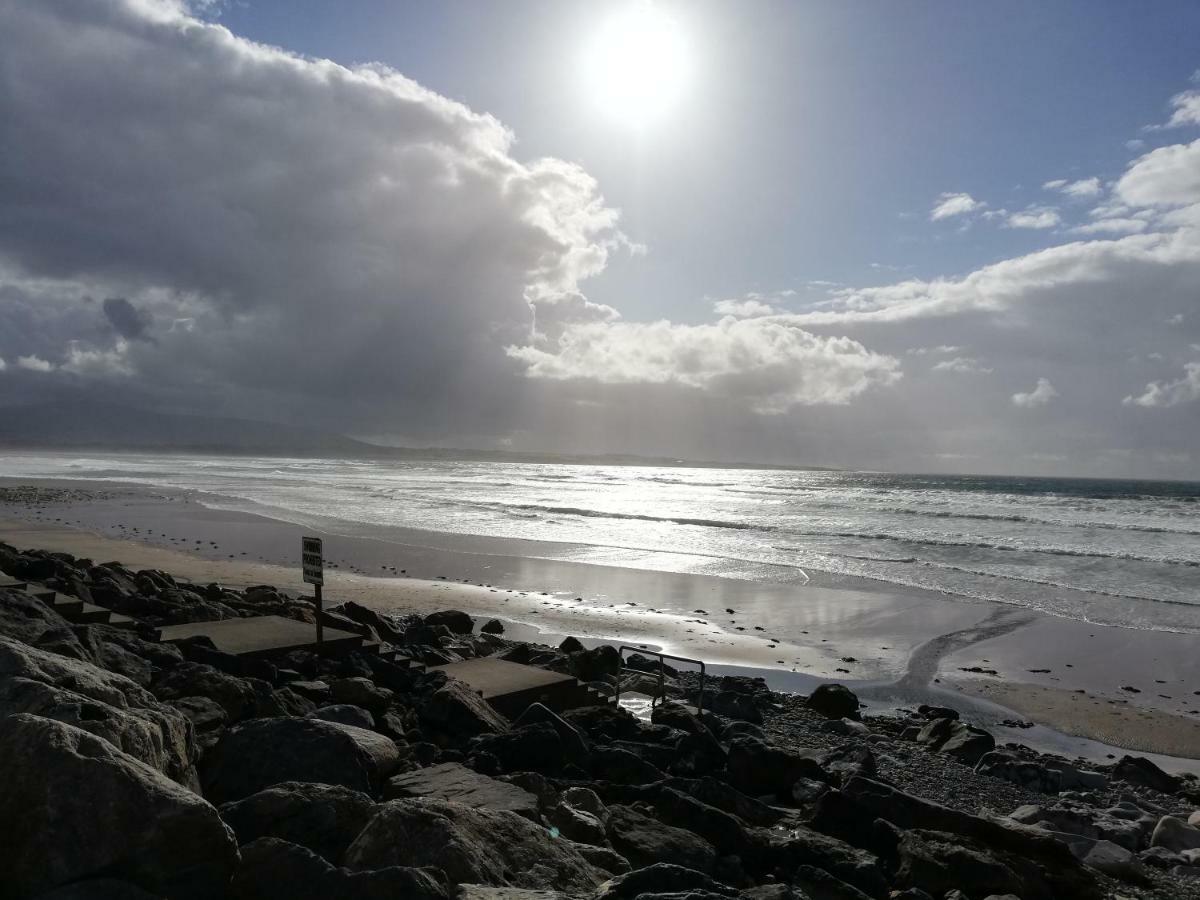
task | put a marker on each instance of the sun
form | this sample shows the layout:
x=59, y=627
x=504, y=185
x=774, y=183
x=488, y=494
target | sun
x=636, y=64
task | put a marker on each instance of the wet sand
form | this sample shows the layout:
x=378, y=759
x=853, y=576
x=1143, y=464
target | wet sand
x=893, y=645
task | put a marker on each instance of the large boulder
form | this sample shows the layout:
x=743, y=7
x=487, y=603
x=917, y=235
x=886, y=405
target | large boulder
x=273, y=868
x=756, y=767
x=938, y=863
x=74, y=806
x=658, y=879
x=30, y=621
x=107, y=705
x=454, y=619
x=644, y=841
x=1140, y=771
x=834, y=701
x=452, y=781
x=241, y=698
x=362, y=692
x=324, y=818
x=456, y=710
x=472, y=846
x=256, y=754
x=1175, y=834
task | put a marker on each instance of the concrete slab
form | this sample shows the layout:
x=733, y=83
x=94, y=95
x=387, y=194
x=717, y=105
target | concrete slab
x=263, y=636
x=510, y=687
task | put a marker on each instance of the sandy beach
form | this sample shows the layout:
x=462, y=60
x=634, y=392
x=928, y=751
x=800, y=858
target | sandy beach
x=895, y=646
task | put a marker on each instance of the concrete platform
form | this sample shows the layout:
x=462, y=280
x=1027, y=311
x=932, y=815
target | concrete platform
x=264, y=636
x=510, y=687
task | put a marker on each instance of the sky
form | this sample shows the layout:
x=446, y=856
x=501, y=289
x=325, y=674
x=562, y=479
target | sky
x=920, y=237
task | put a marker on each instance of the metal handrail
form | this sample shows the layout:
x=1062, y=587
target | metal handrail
x=661, y=674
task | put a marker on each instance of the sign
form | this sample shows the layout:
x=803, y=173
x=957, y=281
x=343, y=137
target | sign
x=312, y=559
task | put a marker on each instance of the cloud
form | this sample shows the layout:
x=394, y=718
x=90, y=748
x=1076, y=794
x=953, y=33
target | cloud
x=1112, y=226
x=949, y=205
x=1084, y=187
x=1039, y=396
x=1165, y=177
x=1171, y=393
x=768, y=362
x=1034, y=217
x=962, y=365
x=1186, y=109
x=34, y=364
x=3, y=364
x=924, y=351
x=743, y=309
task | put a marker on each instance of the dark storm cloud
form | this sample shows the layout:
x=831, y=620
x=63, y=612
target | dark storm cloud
x=128, y=321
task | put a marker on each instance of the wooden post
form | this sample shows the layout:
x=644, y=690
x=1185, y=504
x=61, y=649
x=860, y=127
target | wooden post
x=320, y=626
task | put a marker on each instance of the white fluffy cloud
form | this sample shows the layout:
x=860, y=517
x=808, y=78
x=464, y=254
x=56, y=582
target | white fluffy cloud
x=768, y=362
x=1084, y=187
x=962, y=365
x=1171, y=393
x=34, y=364
x=1185, y=109
x=949, y=205
x=1165, y=177
x=743, y=309
x=1034, y=217
x=1042, y=394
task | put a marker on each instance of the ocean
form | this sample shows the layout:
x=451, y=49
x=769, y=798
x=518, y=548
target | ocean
x=1112, y=552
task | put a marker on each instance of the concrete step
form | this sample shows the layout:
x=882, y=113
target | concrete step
x=62, y=604
x=12, y=584
x=90, y=614
x=116, y=620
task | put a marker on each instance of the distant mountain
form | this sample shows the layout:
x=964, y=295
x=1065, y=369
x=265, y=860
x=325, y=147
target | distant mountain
x=79, y=425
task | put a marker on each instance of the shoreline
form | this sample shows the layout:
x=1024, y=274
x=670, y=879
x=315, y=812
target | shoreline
x=904, y=646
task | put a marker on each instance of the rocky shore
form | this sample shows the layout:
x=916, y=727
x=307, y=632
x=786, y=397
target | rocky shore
x=135, y=768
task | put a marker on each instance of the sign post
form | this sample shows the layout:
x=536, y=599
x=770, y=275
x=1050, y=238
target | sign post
x=313, y=562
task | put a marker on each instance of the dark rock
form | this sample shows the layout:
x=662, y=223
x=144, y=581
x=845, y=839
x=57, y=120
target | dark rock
x=456, y=710
x=844, y=762
x=81, y=807
x=575, y=824
x=535, y=747
x=261, y=752
x=492, y=626
x=604, y=723
x=604, y=858
x=723, y=796
x=455, y=782
x=659, y=878
x=324, y=818
x=472, y=846
x=733, y=705
x=30, y=621
x=756, y=767
x=346, y=714
x=457, y=621
x=1140, y=771
x=316, y=691
x=719, y=828
x=361, y=692
x=98, y=889
x=273, y=868
x=967, y=743
x=241, y=698
x=802, y=846
x=645, y=841
x=570, y=645
x=937, y=712
x=293, y=703
x=109, y=706
x=821, y=885
x=938, y=862
x=622, y=766
x=594, y=664
x=574, y=744
x=834, y=701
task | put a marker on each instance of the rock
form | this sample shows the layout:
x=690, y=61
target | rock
x=273, y=868
x=81, y=807
x=345, y=714
x=623, y=767
x=659, y=878
x=1175, y=834
x=457, y=621
x=722, y=830
x=453, y=781
x=1116, y=862
x=536, y=747
x=573, y=742
x=594, y=664
x=361, y=692
x=316, y=691
x=456, y=710
x=570, y=645
x=645, y=841
x=604, y=858
x=472, y=846
x=29, y=621
x=723, y=796
x=819, y=884
x=844, y=762
x=575, y=824
x=1047, y=776
x=967, y=743
x=1044, y=862
x=937, y=712
x=848, y=727
x=1140, y=771
x=1194, y=819
x=256, y=754
x=241, y=698
x=487, y=892
x=324, y=818
x=587, y=800
x=756, y=767
x=492, y=626
x=834, y=701
x=732, y=705
x=939, y=862
x=109, y=706
x=98, y=889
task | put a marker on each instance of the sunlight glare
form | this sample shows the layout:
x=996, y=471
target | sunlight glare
x=636, y=64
